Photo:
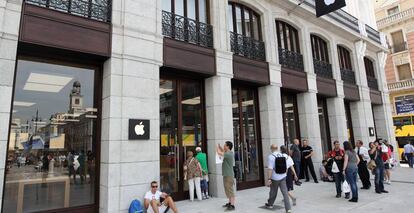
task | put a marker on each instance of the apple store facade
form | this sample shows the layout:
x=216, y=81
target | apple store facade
x=99, y=98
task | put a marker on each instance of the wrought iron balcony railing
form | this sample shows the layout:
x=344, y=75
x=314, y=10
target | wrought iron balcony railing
x=188, y=30
x=372, y=82
x=99, y=10
x=322, y=68
x=247, y=47
x=348, y=76
x=291, y=60
x=396, y=48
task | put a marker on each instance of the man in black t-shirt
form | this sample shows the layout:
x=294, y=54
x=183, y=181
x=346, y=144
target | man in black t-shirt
x=307, y=153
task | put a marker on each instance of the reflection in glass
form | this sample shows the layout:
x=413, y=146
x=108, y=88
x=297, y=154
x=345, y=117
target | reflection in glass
x=202, y=11
x=230, y=18
x=51, y=159
x=166, y=5
x=323, y=126
x=247, y=23
x=245, y=135
x=191, y=9
x=239, y=21
x=255, y=21
x=291, y=120
x=179, y=7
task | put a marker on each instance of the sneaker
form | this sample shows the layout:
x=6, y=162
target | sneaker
x=306, y=180
x=226, y=205
x=384, y=191
x=294, y=201
x=288, y=211
x=316, y=181
x=268, y=206
x=338, y=195
x=354, y=200
x=230, y=208
x=207, y=197
x=347, y=196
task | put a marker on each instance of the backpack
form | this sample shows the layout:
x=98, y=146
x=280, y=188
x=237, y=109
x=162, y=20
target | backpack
x=280, y=164
x=135, y=207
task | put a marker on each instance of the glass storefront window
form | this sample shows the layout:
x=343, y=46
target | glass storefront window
x=51, y=157
x=324, y=126
x=291, y=123
x=349, y=123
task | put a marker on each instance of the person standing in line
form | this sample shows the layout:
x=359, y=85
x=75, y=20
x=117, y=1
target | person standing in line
x=291, y=174
x=278, y=179
x=409, y=153
x=387, y=155
x=228, y=173
x=363, y=172
x=295, y=153
x=351, y=161
x=307, y=152
x=337, y=154
x=375, y=154
x=202, y=158
x=193, y=174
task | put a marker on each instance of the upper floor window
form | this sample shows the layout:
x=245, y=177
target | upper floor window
x=193, y=9
x=398, y=42
x=393, y=10
x=369, y=67
x=404, y=72
x=344, y=58
x=287, y=37
x=244, y=21
x=319, y=49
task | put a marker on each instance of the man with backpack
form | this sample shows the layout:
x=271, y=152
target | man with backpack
x=278, y=164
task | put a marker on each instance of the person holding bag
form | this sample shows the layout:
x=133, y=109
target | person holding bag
x=337, y=154
x=351, y=161
x=193, y=173
x=375, y=154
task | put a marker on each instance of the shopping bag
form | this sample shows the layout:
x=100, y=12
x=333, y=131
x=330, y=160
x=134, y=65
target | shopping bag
x=345, y=187
x=335, y=168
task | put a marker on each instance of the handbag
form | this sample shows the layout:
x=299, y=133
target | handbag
x=335, y=168
x=345, y=187
x=372, y=165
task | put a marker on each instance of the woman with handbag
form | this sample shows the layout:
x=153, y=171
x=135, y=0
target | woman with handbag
x=375, y=154
x=193, y=173
x=337, y=154
x=350, y=170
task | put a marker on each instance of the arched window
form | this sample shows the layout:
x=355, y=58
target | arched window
x=287, y=37
x=319, y=49
x=370, y=72
x=345, y=64
x=244, y=21
x=193, y=9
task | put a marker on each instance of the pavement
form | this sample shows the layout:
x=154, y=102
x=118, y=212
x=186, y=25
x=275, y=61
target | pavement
x=319, y=198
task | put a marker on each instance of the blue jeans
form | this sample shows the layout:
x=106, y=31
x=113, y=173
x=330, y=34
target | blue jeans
x=409, y=157
x=379, y=179
x=351, y=178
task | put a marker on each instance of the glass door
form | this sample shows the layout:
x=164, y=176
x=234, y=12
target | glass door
x=181, y=130
x=324, y=126
x=247, y=146
x=290, y=118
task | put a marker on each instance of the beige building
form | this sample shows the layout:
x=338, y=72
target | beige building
x=395, y=18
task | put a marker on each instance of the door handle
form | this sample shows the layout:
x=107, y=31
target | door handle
x=177, y=162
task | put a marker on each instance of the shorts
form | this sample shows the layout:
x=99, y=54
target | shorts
x=228, y=182
x=161, y=208
x=387, y=166
x=289, y=180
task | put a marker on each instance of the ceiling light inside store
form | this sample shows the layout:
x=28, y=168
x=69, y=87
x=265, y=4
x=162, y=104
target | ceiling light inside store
x=46, y=83
x=192, y=101
x=23, y=104
x=164, y=90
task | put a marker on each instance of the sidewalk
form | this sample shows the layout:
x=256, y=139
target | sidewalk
x=319, y=198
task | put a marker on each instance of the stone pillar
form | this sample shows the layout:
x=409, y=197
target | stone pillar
x=130, y=90
x=361, y=111
x=9, y=31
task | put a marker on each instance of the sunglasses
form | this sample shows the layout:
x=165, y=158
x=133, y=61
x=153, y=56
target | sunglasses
x=154, y=186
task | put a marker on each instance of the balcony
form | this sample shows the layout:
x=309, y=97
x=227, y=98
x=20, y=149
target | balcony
x=401, y=85
x=348, y=76
x=396, y=48
x=322, y=68
x=291, y=60
x=372, y=82
x=396, y=18
x=247, y=47
x=188, y=30
x=373, y=34
x=96, y=10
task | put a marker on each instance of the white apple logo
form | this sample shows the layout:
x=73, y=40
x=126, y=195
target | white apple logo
x=139, y=129
x=329, y=2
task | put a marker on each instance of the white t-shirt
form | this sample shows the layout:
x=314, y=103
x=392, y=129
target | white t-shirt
x=150, y=196
x=271, y=163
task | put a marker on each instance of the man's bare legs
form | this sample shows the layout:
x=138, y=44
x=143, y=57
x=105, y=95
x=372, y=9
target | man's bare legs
x=170, y=203
x=154, y=206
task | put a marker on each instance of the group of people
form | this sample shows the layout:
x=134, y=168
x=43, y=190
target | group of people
x=284, y=167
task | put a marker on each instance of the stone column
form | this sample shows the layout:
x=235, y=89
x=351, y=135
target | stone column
x=361, y=111
x=9, y=31
x=219, y=96
x=130, y=90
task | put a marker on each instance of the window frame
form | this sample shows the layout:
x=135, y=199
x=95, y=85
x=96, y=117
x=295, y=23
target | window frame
x=197, y=7
x=320, y=48
x=290, y=42
x=252, y=13
x=369, y=67
x=344, y=58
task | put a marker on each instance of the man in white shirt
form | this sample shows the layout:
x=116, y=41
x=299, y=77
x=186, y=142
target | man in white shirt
x=409, y=153
x=363, y=172
x=276, y=180
x=156, y=201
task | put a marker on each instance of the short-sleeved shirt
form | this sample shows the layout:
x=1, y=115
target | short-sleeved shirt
x=150, y=196
x=271, y=164
x=228, y=162
x=334, y=153
x=202, y=158
x=408, y=148
x=193, y=169
x=352, y=159
x=306, y=151
x=295, y=152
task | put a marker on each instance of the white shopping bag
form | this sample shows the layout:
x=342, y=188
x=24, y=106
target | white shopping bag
x=345, y=187
x=219, y=159
x=335, y=168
